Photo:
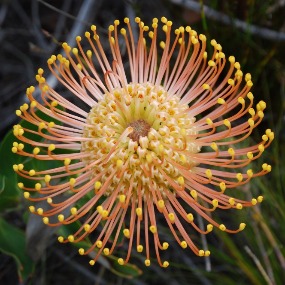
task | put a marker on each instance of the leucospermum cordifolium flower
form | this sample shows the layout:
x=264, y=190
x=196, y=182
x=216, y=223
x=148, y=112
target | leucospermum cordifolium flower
x=163, y=138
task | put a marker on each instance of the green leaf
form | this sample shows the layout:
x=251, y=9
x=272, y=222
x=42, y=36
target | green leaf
x=13, y=243
x=2, y=183
x=110, y=262
x=127, y=271
x=10, y=195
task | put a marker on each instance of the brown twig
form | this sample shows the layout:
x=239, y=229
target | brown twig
x=259, y=265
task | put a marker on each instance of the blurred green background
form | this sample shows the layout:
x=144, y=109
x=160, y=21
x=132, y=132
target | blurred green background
x=254, y=32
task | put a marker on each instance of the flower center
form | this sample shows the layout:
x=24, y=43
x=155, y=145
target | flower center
x=137, y=138
x=140, y=129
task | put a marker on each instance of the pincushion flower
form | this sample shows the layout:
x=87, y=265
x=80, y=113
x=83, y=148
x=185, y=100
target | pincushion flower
x=163, y=138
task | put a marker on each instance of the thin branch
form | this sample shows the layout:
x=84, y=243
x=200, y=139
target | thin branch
x=64, y=13
x=263, y=252
x=270, y=237
x=259, y=265
x=60, y=25
x=79, y=268
x=225, y=19
x=3, y=13
x=87, y=11
x=36, y=26
x=204, y=243
x=195, y=270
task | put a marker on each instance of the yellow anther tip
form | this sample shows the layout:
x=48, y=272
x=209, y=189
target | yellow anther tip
x=227, y=123
x=249, y=173
x=208, y=173
x=38, y=186
x=160, y=204
x=209, y=121
x=67, y=161
x=36, y=150
x=60, y=217
x=105, y=214
x=153, y=229
x=119, y=163
x=139, y=211
x=20, y=166
x=14, y=149
x=222, y=227
x=231, y=82
x=249, y=155
x=239, y=177
x=242, y=226
x=180, y=180
x=106, y=251
x=72, y=181
x=60, y=239
x=165, y=245
x=202, y=37
x=32, y=209
x=239, y=206
x=73, y=211
x=47, y=178
x=123, y=31
x=87, y=227
x=126, y=233
x=249, y=83
x=215, y=203
x=51, y=147
x=221, y=101
x=45, y=220
x=190, y=217
x=247, y=77
x=213, y=42
x=97, y=185
x=261, y=147
x=165, y=264
x=147, y=262
x=139, y=248
x=211, y=63
x=171, y=217
x=209, y=228
x=223, y=186
x=259, y=199
x=122, y=198
x=193, y=193
x=253, y=201
x=20, y=185
x=81, y=251
x=201, y=252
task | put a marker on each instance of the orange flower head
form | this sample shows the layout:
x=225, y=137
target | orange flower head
x=159, y=137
